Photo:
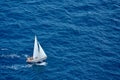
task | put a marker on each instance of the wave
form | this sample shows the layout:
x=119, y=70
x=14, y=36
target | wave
x=3, y=49
x=20, y=66
x=10, y=56
x=25, y=55
x=13, y=56
x=17, y=66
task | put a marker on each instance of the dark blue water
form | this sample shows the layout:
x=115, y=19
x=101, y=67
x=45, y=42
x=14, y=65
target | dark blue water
x=80, y=37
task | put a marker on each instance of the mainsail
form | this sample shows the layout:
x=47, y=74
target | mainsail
x=35, y=51
x=38, y=53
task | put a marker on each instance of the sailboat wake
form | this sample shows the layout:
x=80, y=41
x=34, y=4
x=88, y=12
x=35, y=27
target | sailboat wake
x=4, y=49
x=25, y=55
x=10, y=56
x=17, y=67
x=13, y=56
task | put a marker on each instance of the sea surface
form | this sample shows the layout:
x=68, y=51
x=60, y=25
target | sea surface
x=80, y=37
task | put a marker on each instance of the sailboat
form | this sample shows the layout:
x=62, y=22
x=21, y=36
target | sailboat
x=38, y=53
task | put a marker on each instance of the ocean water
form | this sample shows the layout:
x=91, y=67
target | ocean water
x=80, y=37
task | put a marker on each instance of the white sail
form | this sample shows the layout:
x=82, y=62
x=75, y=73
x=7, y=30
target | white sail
x=43, y=56
x=38, y=53
x=35, y=52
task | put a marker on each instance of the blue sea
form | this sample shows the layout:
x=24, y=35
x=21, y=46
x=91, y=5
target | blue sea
x=80, y=37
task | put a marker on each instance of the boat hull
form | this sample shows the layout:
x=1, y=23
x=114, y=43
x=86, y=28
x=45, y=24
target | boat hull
x=31, y=60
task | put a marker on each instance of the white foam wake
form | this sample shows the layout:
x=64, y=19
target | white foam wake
x=25, y=55
x=3, y=49
x=13, y=55
x=21, y=66
x=10, y=56
x=17, y=67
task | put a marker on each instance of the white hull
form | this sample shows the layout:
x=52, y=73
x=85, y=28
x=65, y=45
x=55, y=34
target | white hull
x=36, y=61
x=41, y=64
